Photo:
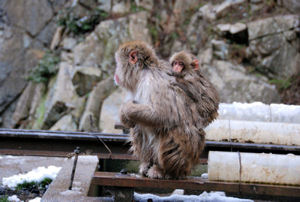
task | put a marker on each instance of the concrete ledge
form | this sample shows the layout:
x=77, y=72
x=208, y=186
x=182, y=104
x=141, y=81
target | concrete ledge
x=58, y=189
x=254, y=168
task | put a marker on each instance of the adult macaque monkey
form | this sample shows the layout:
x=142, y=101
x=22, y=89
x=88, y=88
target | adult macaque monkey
x=190, y=79
x=164, y=135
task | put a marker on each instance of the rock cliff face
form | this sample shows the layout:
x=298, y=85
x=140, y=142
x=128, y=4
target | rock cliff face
x=244, y=47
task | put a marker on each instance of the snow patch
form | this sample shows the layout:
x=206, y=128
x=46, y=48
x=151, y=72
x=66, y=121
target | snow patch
x=74, y=191
x=135, y=175
x=37, y=199
x=212, y=196
x=204, y=175
x=13, y=198
x=76, y=183
x=36, y=175
x=11, y=157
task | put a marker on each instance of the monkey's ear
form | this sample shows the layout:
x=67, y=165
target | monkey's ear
x=195, y=64
x=133, y=57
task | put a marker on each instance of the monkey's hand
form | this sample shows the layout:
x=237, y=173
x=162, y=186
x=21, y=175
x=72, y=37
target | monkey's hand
x=133, y=112
x=124, y=115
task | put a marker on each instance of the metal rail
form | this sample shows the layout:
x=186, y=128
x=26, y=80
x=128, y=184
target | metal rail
x=62, y=143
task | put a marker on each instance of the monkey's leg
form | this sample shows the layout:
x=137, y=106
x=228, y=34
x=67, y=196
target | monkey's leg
x=179, y=153
x=141, y=148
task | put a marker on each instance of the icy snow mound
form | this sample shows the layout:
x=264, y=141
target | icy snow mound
x=212, y=196
x=13, y=198
x=36, y=175
x=37, y=199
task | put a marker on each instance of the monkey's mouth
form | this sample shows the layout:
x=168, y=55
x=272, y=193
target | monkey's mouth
x=117, y=80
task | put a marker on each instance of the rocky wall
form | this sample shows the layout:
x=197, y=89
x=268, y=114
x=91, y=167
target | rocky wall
x=244, y=47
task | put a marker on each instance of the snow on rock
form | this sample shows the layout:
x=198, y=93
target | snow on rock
x=258, y=111
x=285, y=113
x=37, y=199
x=212, y=196
x=255, y=111
x=36, y=175
x=13, y=198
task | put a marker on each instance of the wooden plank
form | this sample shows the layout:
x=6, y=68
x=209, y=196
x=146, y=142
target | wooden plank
x=194, y=183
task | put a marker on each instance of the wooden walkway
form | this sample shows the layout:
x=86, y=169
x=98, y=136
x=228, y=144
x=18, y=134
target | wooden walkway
x=109, y=179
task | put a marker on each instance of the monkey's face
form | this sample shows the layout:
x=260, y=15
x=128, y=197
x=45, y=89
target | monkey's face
x=183, y=62
x=132, y=59
x=178, y=66
x=120, y=67
x=126, y=73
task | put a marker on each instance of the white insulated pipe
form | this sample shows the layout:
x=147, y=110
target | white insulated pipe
x=258, y=111
x=254, y=132
x=254, y=167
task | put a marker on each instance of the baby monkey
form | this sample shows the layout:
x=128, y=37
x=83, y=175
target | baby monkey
x=203, y=96
x=183, y=62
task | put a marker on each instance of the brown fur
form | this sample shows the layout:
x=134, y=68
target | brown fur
x=204, y=97
x=164, y=136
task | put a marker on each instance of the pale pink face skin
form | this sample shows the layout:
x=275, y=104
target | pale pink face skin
x=118, y=70
x=117, y=80
x=178, y=66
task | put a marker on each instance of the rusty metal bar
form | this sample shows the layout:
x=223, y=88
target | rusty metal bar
x=61, y=143
x=39, y=134
x=252, y=147
x=194, y=183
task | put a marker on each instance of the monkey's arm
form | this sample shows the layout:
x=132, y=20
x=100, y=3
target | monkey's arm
x=139, y=113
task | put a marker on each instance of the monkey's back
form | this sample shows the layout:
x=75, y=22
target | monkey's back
x=169, y=101
x=202, y=97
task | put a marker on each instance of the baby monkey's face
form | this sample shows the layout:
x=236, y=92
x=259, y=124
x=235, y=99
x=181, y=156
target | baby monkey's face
x=183, y=62
x=178, y=66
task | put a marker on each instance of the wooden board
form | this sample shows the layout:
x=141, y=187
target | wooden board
x=194, y=183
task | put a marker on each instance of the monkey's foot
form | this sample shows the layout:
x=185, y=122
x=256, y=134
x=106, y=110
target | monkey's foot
x=144, y=167
x=155, y=172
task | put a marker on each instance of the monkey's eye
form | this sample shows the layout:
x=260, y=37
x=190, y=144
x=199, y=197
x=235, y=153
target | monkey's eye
x=181, y=64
